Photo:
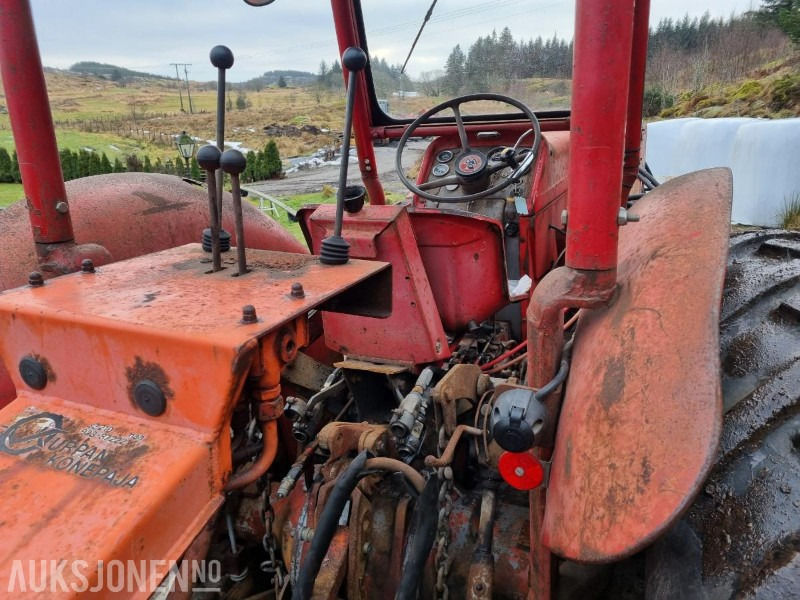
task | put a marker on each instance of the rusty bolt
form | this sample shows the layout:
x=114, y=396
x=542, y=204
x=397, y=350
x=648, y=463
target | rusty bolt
x=87, y=266
x=479, y=587
x=35, y=279
x=249, y=314
x=62, y=207
x=298, y=291
x=306, y=534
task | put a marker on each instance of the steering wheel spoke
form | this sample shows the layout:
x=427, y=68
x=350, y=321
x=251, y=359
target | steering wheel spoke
x=433, y=185
x=462, y=132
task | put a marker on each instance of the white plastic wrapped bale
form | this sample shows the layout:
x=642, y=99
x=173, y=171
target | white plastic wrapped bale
x=764, y=156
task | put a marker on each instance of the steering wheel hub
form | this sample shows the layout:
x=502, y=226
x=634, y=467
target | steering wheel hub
x=471, y=165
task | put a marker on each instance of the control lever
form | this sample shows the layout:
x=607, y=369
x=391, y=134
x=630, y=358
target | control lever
x=233, y=163
x=335, y=250
x=208, y=158
x=222, y=58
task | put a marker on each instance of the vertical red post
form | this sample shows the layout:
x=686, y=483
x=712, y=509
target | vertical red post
x=347, y=35
x=600, y=83
x=32, y=125
x=633, y=134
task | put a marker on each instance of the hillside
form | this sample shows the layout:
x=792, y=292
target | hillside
x=771, y=91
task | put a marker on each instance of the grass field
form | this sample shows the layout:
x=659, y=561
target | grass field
x=10, y=193
x=301, y=200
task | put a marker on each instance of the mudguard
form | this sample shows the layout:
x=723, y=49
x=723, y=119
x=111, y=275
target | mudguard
x=641, y=419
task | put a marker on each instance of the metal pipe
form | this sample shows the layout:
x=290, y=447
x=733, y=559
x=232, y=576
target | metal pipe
x=347, y=35
x=32, y=125
x=447, y=456
x=345, y=160
x=633, y=128
x=269, y=433
x=382, y=463
x=601, y=78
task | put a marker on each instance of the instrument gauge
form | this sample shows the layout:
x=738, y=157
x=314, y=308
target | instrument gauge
x=440, y=170
x=444, y=156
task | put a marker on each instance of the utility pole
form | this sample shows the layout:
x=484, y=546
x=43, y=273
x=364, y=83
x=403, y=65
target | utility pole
x=178, y=77
x=188, y=92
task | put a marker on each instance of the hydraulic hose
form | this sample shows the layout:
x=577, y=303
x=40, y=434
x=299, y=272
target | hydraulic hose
x=420, y=541
x=556, y=381
x=242, y=478
x=326, y=527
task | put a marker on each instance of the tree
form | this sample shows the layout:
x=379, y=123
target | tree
x=281, y=82
x=105, y=164
x=194, y=169
x=147, y=166
x=15, y=174
x=272, y=160
x=118, y=166
x=133, y=164
x=785, y=14
x=248, y=175
x=242, y=102
x=5, y=167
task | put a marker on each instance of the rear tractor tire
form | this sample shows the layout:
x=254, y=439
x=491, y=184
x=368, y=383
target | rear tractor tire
x=741, y=537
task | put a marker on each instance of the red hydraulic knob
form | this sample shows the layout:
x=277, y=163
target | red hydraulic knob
x=521, y=470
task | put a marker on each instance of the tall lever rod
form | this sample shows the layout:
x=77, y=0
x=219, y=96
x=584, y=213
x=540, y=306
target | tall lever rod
x=222, y=58
x=233, y=163
x=335, y=250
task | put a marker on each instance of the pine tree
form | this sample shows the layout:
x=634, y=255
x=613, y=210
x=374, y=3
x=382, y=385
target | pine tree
x=272, y=160
x=5, y=167
x=194, y=169
x=281, y=82
x=118, y=166
x=158, y=167
x=105, y=165
x=248, y=174
x=15, y=173
x=147, y=167
x=454, y=71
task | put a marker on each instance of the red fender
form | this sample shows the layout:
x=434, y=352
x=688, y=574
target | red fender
x=642, y=416
x=130, y=214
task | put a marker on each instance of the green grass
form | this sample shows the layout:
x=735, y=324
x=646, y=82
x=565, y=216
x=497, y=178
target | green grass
x=10, y=193
x=301, y=200
x=789, y=217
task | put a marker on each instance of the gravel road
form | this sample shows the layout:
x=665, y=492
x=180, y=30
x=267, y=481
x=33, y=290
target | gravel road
x=312, y=180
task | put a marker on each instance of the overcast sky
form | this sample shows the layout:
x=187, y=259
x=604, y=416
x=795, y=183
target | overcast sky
x=148, y=35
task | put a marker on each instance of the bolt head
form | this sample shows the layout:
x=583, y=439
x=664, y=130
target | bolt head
x=564, y=217
x=249, y=314
x=62, y=207
x=366, y=548
x=35, y=279
x=150, y=398
x=33, y=373
x=519, y=471
x=87, y=266
x=298, y=291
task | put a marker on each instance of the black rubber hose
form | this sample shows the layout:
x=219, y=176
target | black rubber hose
x=556, y=381
x=420, y=541
x=649, y=178
x=326, y=527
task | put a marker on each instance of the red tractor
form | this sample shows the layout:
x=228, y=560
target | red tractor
x=392, y=411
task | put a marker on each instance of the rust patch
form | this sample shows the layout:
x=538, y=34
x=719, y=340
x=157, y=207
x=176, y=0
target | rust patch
x=48, y=369
x=147, y=370
x=158, y=204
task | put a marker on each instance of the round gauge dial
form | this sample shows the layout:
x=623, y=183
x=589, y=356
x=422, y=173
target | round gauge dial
x=440, y=170
x=444, y=156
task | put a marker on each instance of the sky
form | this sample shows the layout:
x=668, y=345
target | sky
x=148, y=35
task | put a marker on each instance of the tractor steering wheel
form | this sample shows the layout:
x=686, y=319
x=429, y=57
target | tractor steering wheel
x=472, y=165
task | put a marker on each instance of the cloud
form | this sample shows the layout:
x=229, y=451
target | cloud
x=148, y=35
